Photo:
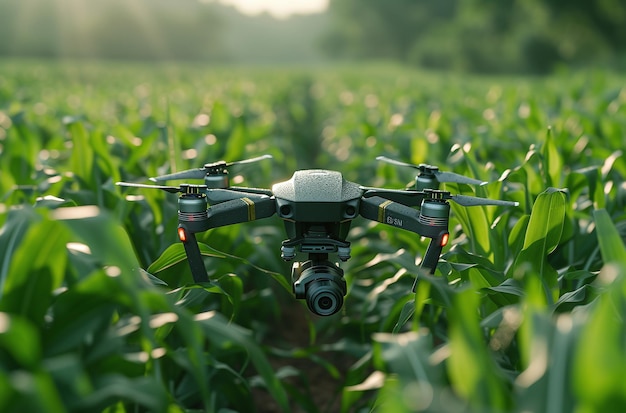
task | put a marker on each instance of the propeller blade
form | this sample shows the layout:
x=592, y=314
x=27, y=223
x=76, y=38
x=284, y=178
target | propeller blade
x=433, y=170
x=197, y=173
x=457, y=179
x=251, y=160
x=171, y=189
x=467, y=201
x=374, y=188
x=394, y=162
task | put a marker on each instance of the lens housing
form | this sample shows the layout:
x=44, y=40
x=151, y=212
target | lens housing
x=321, y=284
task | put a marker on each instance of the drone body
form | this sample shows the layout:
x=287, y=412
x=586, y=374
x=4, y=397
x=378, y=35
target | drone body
x=317, y=207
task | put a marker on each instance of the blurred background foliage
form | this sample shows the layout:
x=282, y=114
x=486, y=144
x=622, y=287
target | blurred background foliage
x=483, y=36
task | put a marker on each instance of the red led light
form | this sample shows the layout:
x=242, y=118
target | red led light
x=444, y=239
x=182, y=234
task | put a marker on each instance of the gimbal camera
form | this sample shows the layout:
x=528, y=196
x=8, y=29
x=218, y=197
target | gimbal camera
x=317, y=207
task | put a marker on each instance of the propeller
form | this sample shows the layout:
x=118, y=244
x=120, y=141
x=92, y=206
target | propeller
x=414, y=198
x=184, y=188
x=430, y=170
x=215, y=168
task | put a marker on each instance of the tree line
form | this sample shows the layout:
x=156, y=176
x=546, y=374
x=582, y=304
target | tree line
x=118, y=29
x=480, y=35
x=486, y=36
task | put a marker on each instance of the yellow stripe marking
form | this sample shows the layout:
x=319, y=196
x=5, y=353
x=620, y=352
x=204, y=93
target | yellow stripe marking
x=381, y=210
x=251, y=212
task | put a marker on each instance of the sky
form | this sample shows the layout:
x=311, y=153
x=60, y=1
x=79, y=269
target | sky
x=278, y=8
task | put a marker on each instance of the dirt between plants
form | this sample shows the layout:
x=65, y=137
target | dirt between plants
x=314, y=382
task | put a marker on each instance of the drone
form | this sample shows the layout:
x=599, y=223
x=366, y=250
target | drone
x=317, y=207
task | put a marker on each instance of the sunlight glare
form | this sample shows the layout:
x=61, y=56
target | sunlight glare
x=278, y=8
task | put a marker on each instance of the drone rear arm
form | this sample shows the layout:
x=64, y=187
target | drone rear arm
x=405, y=197
x=400, y=216
x=391, y=213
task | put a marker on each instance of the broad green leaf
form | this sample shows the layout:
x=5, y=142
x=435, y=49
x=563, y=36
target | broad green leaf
x=546, y=221
x=585, y=179
x=571, y=298
x=509, y=286
x=518, y=234
x=598, y=365
x=11, y=235
x=237, y=141
x=175, y=254
x=475, y=225
x=552, y=161
x=280, y=278
x=460, y=257
x=477, y=279
x=422, y=295
x=220, y=119
x=37, y=268
x=233, y=288
x=473, y=373
x=19, y=339
x=611, y=243
x=390, y=398
x=70, y=374
x=405, y=355
x=542, y=237
x=191, y=357
x=82, y=152
x=599, y=198
x=154, y=280
x=532, y=329
x=81, y=311
x=33, y=391
x=408, y=309
x=545, y=383
x=215, y=327
x=144, y=391
x=102, y=233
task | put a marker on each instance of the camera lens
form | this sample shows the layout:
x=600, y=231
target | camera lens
x=325, y=303
x=321, y=284
x=324, y=297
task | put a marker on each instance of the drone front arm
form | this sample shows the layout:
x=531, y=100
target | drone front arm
x=217, y=196
x=227, y=213
x=245, y=209
x=235, y=211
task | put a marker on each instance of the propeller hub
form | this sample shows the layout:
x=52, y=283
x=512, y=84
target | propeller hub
x=428, y=169
x=189, y=189
x=436, y=195
x=216, y=168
